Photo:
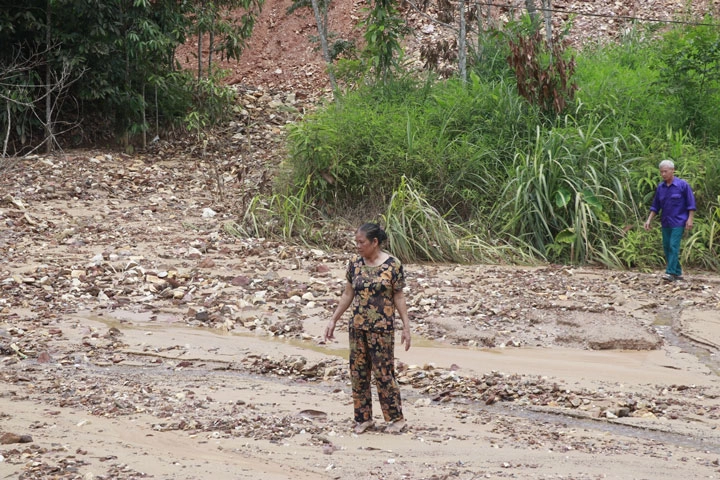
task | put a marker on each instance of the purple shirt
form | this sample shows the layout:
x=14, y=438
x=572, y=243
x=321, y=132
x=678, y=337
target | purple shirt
x=675, y=201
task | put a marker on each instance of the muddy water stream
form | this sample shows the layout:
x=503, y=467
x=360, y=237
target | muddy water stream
x=665, y=324
x=579, y=367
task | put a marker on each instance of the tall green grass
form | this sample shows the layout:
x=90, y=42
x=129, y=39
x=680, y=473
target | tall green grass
x=463, y=168
x=568, y=197
x=290, y=217
x=418, y=232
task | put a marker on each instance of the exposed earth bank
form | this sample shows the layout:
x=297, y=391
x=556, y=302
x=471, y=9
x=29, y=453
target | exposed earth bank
x=283, y=53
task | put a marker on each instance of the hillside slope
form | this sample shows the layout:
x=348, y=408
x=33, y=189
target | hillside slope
x=282, y=54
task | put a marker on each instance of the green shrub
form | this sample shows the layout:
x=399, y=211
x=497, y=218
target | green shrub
x=569, y=197
x=501, y=180
x=640, y=249
x=689, y=73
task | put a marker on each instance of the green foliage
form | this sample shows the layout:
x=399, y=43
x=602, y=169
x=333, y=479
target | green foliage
x=417, y=231
x=702, y=246
x=16, y=88
x=384, y=29
x=703, y=169
x=478, y=164
x=213, y=103
x=568, y=195
x=615, y=84
x=640, y=249
x=689, y=73
x=287, y=217
x=488, y=59
x=451, y=142
x=116, y=59
x=342, y=48
x=228, y=35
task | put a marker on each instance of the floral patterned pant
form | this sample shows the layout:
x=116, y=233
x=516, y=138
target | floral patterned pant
x=373, y=354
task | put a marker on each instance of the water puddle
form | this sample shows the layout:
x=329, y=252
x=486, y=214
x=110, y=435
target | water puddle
x=614, y=428
x=666, y=323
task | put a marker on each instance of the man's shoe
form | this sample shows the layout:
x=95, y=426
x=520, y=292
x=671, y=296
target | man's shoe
x=668, y=277
x=678, y=278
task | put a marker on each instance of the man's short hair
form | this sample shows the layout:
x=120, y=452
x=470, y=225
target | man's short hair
x=666, y=164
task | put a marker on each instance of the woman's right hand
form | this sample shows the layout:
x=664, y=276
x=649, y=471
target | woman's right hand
x=330, y=331
x=345, y=301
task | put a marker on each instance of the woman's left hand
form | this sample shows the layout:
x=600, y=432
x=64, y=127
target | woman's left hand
x=405, y=338
x=399, y=299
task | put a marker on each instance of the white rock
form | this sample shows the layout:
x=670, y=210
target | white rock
x=208, y=213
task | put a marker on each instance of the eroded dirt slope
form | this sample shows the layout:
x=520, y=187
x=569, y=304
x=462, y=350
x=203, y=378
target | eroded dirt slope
x=283, y=55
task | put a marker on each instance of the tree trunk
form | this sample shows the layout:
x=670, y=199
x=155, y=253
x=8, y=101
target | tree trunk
x=462, y=38
x=144, y=120
x=322, y=32
x=530, y=6
x=48, y=89
x=211, y=42
x=547, y=14
x=199, y=55
x=157, y=115
x=199, y=50
x=9, y=129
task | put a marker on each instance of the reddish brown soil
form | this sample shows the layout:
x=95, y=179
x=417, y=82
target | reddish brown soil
x=281, y=55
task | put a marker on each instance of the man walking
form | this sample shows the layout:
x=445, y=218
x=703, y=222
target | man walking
x=675, y=201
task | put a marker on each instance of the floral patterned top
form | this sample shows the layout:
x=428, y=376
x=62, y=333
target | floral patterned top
x=375, y=286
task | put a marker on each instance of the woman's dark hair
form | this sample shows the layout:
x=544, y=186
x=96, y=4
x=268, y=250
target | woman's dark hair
x=373, y=231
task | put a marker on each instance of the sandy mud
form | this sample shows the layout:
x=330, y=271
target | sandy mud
x=139, y=338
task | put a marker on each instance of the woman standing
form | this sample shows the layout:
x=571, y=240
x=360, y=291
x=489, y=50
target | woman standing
x=375, y=282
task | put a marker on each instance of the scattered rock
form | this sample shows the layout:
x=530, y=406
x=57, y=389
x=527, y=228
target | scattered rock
x=10, y=438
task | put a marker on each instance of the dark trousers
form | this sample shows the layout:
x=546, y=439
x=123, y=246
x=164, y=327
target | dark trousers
x=671, y=237
x=372, y=354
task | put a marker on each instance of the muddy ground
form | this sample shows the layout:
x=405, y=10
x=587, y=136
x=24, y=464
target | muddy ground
x=141, y=337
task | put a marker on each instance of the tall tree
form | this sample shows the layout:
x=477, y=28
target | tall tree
x=547, y=16
x=462, y=39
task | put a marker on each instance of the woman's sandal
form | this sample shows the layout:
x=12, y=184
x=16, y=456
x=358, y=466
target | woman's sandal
x=396, y=427
x=362, y=427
